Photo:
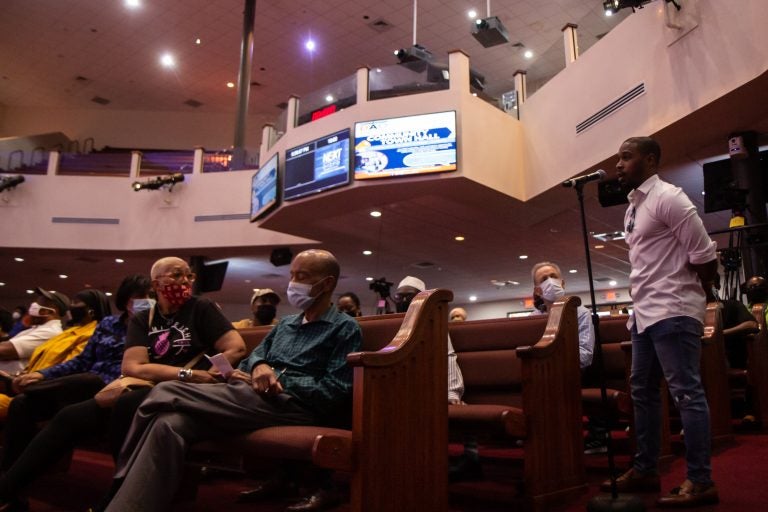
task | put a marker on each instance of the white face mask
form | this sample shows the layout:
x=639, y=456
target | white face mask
x=140, y=305
x=16, y=315
x=552, y=289
x=36, y=309
x=299, y=295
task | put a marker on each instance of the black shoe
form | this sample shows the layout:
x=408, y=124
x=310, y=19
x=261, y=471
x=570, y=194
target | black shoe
x=594, y=445
x=264, y=490
x=322, y=499
x=467, y=468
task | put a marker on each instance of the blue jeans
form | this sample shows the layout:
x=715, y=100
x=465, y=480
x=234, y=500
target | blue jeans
x=670, y=348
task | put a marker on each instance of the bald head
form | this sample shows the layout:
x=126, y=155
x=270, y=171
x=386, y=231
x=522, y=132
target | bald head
x=322, y=263
x=165, y=265
x=457, y=315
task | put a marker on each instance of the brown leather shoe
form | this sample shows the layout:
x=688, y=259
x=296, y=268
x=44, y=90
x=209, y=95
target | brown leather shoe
x=633, y=481
x=320, y=500
x=264, y=490
x=690, y=494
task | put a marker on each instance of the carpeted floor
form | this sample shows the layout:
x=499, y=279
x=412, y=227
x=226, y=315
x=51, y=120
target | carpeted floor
x=740, y=470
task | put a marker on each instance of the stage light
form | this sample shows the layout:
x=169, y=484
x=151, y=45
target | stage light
x=155, y=183
x=613, y=6
x=10, y=182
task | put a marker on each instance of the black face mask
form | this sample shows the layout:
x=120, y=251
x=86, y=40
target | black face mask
x=353, y=314
x=757, y=296
x=78, y=314
x=265, y=314
x=402, y=306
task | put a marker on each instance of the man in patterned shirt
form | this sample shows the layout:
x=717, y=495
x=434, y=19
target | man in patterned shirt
x=297, y=376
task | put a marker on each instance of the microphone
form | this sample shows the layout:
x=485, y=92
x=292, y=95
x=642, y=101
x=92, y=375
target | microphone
x=598, y=175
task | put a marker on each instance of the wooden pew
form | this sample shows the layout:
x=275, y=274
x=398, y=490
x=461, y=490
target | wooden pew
x=396, y=451
x=521, y=380
x=757, y=366
x=714, y=374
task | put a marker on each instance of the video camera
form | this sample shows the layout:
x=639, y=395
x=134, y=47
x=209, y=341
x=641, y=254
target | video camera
x=381, y=286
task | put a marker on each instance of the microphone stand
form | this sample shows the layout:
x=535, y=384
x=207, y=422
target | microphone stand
x=601, y=502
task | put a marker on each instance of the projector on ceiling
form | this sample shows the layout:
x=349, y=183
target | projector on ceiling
x=490, y=32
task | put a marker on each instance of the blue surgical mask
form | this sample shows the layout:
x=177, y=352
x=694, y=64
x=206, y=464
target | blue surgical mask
x=140, y=305
x=299, y=295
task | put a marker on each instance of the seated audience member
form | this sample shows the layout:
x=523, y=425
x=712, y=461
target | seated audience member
x=6, y=324
x=159, y=343
x=738, y=322
x=457, y=315
x=86, y=310
x=468, y=467
x=45, y=314
x=349, y=303
x=297, y=376
x=264, y=307
x=20, y=321
x=549, y=287
x=756, y=290
x=71, y=381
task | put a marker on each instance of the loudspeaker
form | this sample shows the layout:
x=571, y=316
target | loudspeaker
x=610, y=193
x=210, y=277
x=281, y=256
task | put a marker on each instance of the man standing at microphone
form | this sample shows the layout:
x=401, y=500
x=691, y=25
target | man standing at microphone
x=674, y=269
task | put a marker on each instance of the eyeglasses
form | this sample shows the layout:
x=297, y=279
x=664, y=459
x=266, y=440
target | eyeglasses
x=631, y=224
x=178, y=275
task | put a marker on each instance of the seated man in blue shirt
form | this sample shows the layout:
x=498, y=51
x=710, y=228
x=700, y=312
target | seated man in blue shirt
x=297, y=376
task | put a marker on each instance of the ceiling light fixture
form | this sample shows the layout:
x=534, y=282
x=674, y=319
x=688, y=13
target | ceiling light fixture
x=375, y=213
x=231, y=85
x=572, y=271
x=367, y=253
x=472, y=14
x=198, y=41
x=108, y=294
x=119, y=260
x=612, y=283
x=310, y=45
x=599, y=247
x=30, y=292
x=369, y=278
x=528, y=54
x=459, y=238
x=167, y=60
x=472, y=298
x=2, y=284
x=132, y=4
x=523, y=256
x=329, y=98
x=18, y=259
x=63, y=276
x=161, y=181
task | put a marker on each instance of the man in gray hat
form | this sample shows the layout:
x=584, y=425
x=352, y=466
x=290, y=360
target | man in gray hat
x=264, y=307
x=46, y=313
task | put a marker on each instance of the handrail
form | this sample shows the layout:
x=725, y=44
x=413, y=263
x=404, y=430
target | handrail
x=32, y=160
x=20, y=152
x=88, y=148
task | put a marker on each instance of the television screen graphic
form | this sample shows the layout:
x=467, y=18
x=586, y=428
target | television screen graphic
x=317, y=166
x=405, y=146
x=264, y=189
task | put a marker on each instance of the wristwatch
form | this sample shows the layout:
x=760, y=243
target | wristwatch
x=185, y=373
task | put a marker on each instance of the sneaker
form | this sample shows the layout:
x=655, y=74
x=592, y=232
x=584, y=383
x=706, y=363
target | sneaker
x=593, y=445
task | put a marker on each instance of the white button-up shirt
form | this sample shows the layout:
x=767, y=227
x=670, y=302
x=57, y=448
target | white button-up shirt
x=665, y=235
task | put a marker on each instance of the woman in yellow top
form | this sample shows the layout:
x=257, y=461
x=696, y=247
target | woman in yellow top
x=87, y=309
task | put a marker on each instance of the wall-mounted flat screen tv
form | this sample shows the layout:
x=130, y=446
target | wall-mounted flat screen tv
x=405, y=145
x=264, y=189
x=317, y=166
